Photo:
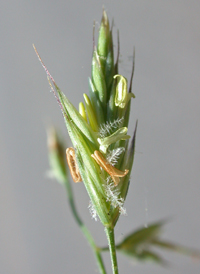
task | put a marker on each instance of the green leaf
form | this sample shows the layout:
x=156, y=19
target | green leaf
x=144, y=256
x=141, y=237
x=176, y=248
x=139, y=245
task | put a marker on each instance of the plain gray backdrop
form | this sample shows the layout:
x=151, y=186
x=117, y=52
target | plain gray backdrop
x=37, y=231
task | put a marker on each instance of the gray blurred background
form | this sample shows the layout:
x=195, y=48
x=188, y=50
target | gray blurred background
x=37, y=231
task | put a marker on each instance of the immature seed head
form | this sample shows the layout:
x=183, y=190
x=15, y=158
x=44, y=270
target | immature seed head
x=98, y=131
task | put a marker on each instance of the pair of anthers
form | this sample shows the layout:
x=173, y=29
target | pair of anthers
x=101, y=161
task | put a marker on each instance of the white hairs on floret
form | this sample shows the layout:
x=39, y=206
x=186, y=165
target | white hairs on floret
x=113, y=155
x=109, y=127
x=92, y=211
x=113, y=196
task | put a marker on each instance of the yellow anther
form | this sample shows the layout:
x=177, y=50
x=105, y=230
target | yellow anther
x=73, y=167
x=111, y=170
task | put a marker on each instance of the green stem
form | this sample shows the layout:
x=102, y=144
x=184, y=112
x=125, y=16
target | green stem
x=83, y=228
x=111, y=243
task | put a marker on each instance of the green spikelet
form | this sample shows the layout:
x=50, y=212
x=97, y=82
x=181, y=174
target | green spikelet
x=99, y=130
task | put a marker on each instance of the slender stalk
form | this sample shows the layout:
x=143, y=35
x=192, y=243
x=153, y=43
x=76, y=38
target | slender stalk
x=83, y=228
x=111, y=242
